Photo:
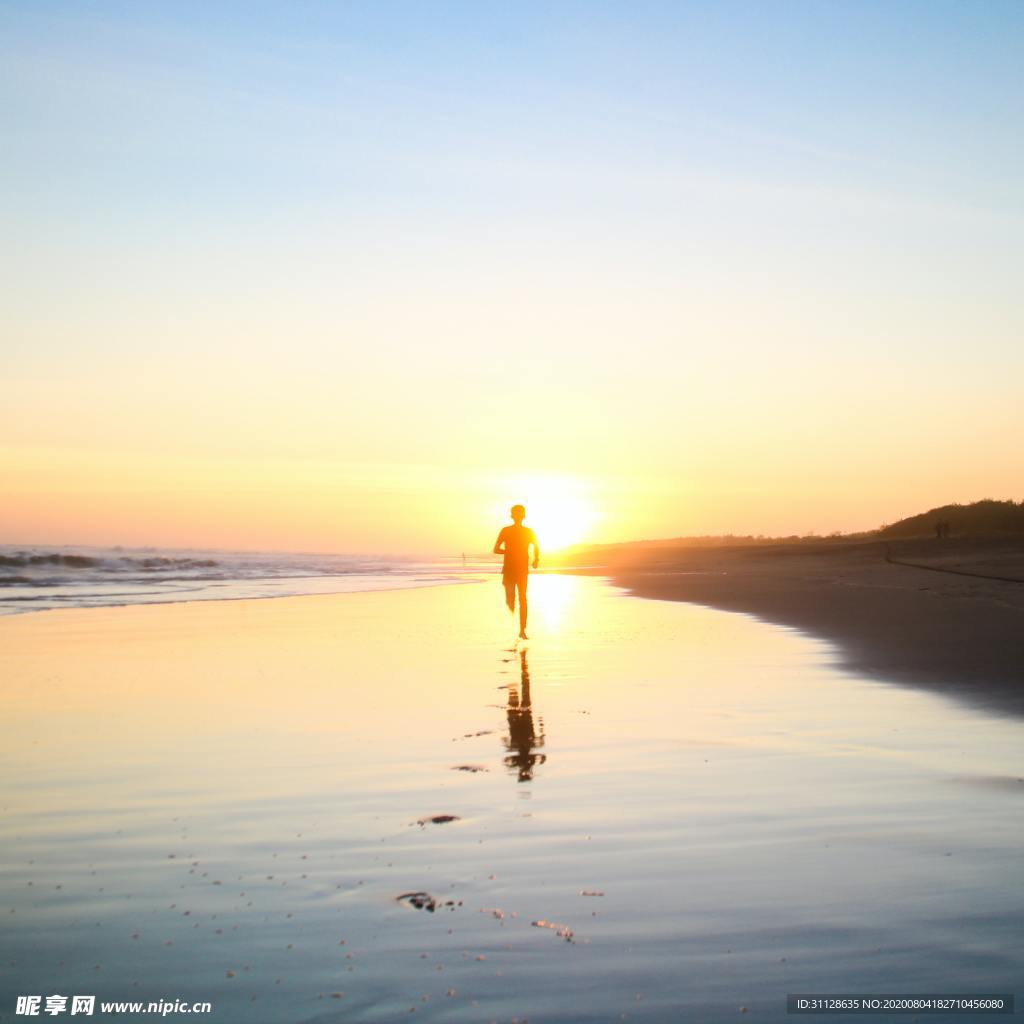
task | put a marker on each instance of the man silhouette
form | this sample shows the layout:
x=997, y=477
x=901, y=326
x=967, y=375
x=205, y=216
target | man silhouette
x=514, y=543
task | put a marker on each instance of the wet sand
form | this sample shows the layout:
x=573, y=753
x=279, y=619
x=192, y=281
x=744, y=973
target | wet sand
x=947, y=616
x=354, y=808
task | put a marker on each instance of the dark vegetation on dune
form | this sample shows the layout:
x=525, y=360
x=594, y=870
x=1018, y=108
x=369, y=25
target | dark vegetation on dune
x=986, y=518
x=980, y=519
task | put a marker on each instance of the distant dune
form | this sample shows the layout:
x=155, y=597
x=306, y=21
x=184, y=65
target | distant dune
x=982, y=518
x=986, y=518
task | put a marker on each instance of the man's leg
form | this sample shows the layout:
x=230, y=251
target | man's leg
x=510, y=594
x=521, y=584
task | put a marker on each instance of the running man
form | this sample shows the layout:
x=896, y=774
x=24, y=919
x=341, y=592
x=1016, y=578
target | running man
x=514, y=543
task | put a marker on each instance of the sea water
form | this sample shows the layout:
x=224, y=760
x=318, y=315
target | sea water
x=370, y=806
x=44, y=578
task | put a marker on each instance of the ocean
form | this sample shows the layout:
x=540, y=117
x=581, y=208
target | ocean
x=42, y=578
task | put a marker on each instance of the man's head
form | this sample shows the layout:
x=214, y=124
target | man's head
x=518, y=514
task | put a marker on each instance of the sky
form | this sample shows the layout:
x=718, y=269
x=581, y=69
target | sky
x=358, y=276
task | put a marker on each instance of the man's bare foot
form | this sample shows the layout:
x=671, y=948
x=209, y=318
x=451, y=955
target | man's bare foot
x=522, y=635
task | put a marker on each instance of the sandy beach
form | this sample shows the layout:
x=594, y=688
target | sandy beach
x=511, y=512
x=943, y=615
x=362, y=806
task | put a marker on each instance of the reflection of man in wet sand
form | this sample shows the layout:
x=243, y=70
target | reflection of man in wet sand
x=522, y=739
x=514, y=543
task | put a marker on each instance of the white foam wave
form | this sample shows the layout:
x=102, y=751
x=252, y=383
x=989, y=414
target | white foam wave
x=35, y=579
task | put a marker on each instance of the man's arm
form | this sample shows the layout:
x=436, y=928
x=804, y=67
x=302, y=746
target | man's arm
x=536, y=549
x=498, y=544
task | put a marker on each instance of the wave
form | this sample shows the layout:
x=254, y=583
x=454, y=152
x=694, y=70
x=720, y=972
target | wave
x=23, y=559
x=71, y=561
x=43, y=577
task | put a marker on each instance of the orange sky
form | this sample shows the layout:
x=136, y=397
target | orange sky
x=360, y=285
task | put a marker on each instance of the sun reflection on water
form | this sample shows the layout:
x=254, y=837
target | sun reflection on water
x=551, y=598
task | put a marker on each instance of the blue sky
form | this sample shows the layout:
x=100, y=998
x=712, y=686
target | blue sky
x=799, y=221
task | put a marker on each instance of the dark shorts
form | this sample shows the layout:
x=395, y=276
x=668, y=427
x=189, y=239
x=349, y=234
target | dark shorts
x=514, y=576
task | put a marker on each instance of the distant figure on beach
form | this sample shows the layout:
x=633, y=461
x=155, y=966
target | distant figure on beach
x=514, y=543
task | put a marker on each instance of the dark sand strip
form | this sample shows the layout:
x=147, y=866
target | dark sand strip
x=959, y=632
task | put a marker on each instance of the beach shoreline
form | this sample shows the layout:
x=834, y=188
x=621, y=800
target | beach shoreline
x=381, y=798
x=947, y=616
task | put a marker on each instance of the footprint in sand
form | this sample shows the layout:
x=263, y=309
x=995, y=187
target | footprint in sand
x=424, y=901
x=437, y=819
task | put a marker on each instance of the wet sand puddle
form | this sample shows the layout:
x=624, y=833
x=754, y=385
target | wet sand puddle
x=674, y=811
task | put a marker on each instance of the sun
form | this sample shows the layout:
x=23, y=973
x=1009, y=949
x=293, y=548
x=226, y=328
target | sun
x=558, y=509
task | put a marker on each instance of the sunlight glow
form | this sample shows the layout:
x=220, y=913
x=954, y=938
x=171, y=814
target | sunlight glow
x=550, y=597
x=559, y=509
